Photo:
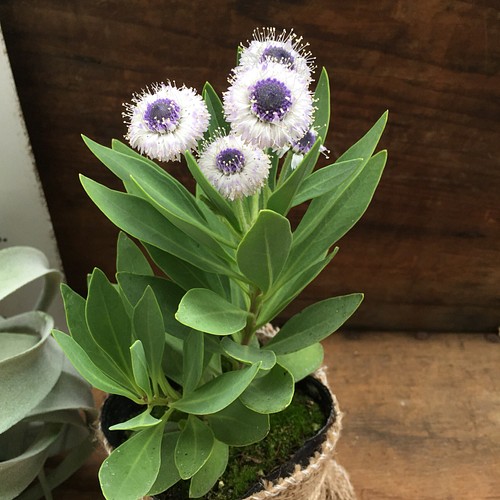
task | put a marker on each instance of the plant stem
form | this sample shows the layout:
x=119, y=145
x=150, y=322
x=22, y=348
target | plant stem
x=254, y=208
x=169, y=391
x=241, y=214
x=255, y=303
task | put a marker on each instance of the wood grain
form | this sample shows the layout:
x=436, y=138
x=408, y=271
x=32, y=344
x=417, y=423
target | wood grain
x=427, y=251
x=421, y=418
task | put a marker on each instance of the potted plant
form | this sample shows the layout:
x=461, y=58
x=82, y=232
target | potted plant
x=46, y=407
x=179, y=339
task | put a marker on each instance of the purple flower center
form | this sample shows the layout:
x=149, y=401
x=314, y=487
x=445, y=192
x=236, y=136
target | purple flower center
x=306, y=143
x=270, y=99
x=230, y=161
x=278, y=54
x=162, y=115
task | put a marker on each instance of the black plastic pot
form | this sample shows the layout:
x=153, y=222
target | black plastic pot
x=117, y=409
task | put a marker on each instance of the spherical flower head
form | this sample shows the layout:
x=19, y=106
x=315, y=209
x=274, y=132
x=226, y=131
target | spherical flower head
x=285, y=48
x=304, y=145
x=166, y=121
x=269, y=105
x=234, y=168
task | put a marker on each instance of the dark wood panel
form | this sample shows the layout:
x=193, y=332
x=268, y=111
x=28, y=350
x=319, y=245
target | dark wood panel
x=420, y=418
x=427, y=252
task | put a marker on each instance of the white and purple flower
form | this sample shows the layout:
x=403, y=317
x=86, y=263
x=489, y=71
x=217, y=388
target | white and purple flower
x=269, y=105
x=234, y=168
x=286, y=48
x=166, y=121
x=301, y=147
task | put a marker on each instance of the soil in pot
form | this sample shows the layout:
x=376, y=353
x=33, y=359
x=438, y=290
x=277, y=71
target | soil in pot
x=295, y=435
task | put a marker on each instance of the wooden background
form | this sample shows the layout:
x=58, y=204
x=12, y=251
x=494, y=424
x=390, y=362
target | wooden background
x=426, y=253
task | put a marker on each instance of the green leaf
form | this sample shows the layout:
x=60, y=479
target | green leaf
x=248, y=354
x=214, y=105
x=304, y=362
x=22, y=265
x=286, y=168
x=122, y=160
x=218, y=393
x=108, y=320
x=316, y=232
x=173, y=358
x=168, y=474
x=129, y=257
x=326, y=179
x=140, y=368
x=264, y=249
x=149, y=329
x=141, y=220
x=206, y=311
x=119, y=146
x=314, y=323
x=74, y=306
x=281, y=200
x=141, y=421
x=88, y=370
x=271, y=393
x=32, y=367
x=70, y=392
x=322, y=100
x=71, y=462
x=169, y=201
x=206, y=477
x=192, y=361
x=185, y=274
x=365, y=147
x=152, y=179
x=168, y=295
x=271, y=179
x=237, y=425
x=280, y=296
x=193, y=447
x=220, y=203
x=132, y=468
x=16, y=474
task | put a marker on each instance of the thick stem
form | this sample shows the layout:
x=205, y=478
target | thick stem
x=241, y=214
x=255, y=303
x=168, y=390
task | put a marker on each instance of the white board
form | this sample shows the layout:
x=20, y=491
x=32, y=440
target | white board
x=24, y=217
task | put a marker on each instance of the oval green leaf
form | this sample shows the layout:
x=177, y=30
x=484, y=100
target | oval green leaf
x=218, y=393
x=193, y=447
x=237, y=425
x=304, y=362
x=206, y=477
x=132, y=468
x=271, y=393
x=314, y=323
x=208, y=312
x=248, y=354
x=263, y=251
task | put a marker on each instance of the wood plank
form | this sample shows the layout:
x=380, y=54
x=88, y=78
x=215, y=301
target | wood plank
x=427, y=251
x=421, y=417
